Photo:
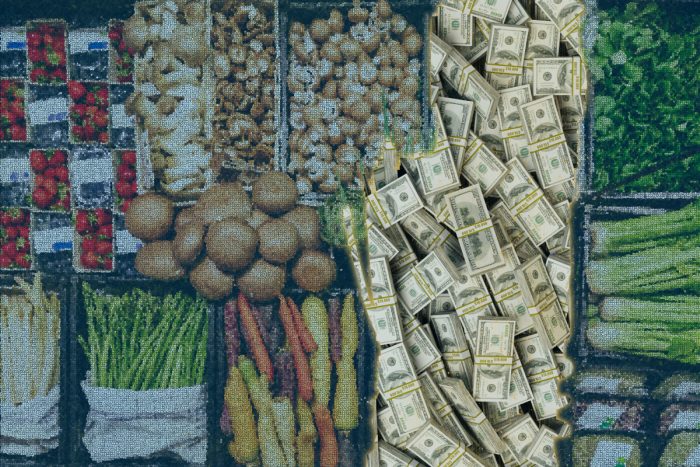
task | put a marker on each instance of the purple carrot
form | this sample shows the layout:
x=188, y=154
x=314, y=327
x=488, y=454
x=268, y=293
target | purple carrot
x=225, y=422
x=334, y=328
x=232, y=334
x=284, y=368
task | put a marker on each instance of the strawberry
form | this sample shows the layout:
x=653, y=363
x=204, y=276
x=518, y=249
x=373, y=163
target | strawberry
x=9, y=249
x=129, y=157
x=125, y=205
x=41, y=198
x=22, y=245
x=76, y=90
x=58, y=158
x=107, y=263
x=124, y=189
x=103, y=96
x=103, y=216
x=78, y=132
x=88, y=133
x=65, y=202
x=82, y=223
x=17, y=216
x=105, y=231
x=61, y=174
x=18, y=132
x=5, y=218
x=33, y=39
x=103, y=247
x=114, y=35
x=23, y=232
x=101, y=119
x=50, y=186
x=89, y=243
x=126, y=173
x=90, y=260
x=60, y=73
x=103, y=137
x=37, y=161
x=38, y=75
x=23, y=261
x=5, y=262
x=11, y=232
x=90, y=99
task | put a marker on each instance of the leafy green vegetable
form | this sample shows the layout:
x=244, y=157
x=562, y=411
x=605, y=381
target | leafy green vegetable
x=645, y=67
x=140, y=341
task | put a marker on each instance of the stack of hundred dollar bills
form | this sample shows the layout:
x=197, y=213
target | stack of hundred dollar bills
x=468, y=281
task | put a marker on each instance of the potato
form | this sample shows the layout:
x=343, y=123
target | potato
x=231, y=244
x=275, y=193
x=188, y=243
x=262, y=282
x=308, y=225
x=211, y=282
x=257, y=218
x=223, y=201
x=149, y=216
x=156, y=260
x=279, y=241
x=187, y=216
x=314, y=271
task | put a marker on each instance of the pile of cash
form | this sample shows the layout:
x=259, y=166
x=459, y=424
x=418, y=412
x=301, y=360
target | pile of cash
x=467, y=279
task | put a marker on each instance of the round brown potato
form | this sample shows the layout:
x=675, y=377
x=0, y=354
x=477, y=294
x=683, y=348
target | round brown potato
x=188, y=243
x=211, y=282
x=156, y=260
x=279, y=241
x=223, y=201
x=149, y=216
x=256, y=219
x=186, y=217
x=262, y=282
x=308, y=225
x=275, y=193
x=314, y=271
x=231, y=244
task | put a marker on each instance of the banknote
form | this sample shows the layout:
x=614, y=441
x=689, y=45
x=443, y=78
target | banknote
x=542, y=450
x=561, y=192
x=519, y=391
x=471, y=300
x=438, y=54
x=567, y=15
x=424, y=230
x=467, y=408
x=527, y=203
x=481, y=166
x=386, y=324
x=454, y=26
x=453, y=344
x=474, y=229
x=490, y=10
x=389, y=456
x=559, y=269
x=399, y=386
x=517, y=14
x=457, y=117
x=388, y=428
x=493, y=358
x=436, y=447
x=542, y=374
x=542, y=42
x=489, y=130
x=379, y=244
x=561, y=76
x=519, y=435
x=561, y=242
x=480, y=44
x=514, y=137
x=548, y=146
x=505, y=55
x=406, y=257
x=442, y=410
x=395, y=201
x=421, y=348
x=436, y=167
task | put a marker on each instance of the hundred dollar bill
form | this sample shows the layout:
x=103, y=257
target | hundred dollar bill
x=436, y=447
x=441, y=304
x=474, y=229
x=542, y=450
x=517, y=14
x=425, y=230
x=422, y=350
x=497, y=416
x=507, y=293
x=389, y=429
x=527, y=203
x=398, y=384
x=467, y=408
x=395, y=201
x=571, y=109
x=438, y=371
x=559, y=270
x=524, y=247
x=481, y=166
x=454, y=26
x=567, y=15
x=442, y=410
x=454, y=347
x=480, y=44
x=471, y=300
x=457, y=118
x=438, y=54
x=389, y=456
x=519, y=435
x=505, y=56
x=514, y=137
x=406, y=257
x=561, y=242
x=490, y=10
x=519, y=391
x=564, y=364
x=547, y=141
x=542, y=42
x=493, y=358
x=542, y=300
x=424, y=282
x=435, y=92
x=386, y=324
x=466, y=81
x=542, y=373
x=382, y=291
x=489, y=130
x=379, y=244
x=436, y=168
x=562, y=76
x=562, y=192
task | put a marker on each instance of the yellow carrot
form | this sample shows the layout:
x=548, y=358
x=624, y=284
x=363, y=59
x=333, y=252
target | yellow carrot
x=244, y=447
x=316, y=319
x=346, y=401
x=306, y=438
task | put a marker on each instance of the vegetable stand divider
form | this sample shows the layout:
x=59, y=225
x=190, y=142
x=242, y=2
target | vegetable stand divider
x=348, y=119
x=60, y=414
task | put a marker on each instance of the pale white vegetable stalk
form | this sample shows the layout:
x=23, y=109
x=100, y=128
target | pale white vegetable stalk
x=29, y=342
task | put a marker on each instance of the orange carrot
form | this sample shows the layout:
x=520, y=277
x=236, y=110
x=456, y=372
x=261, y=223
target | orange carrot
x=326, y=435
x=254, y=339
x=304, y=382
x=307, y=340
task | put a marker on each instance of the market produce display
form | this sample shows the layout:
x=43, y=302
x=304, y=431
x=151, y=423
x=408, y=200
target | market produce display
x=46, y=51
x=51, y=179
x=89, y=116
x=94, y=240
x=15, y=244
x=122, y=68
x=13, y=122
x=644, y=68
